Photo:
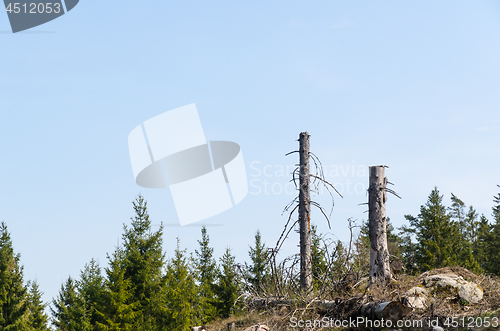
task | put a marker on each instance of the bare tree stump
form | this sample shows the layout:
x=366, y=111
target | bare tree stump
x=305, y=214
x=380, y=270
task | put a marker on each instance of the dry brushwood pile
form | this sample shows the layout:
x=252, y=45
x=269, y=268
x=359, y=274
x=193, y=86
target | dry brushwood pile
x=389, y=302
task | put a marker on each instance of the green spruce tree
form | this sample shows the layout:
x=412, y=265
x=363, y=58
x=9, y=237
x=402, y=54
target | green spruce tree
x=69, y=312
x=465, y=224
x=143, y=261
x=435, y=234
x=409, y=248
x=493, y=240
x=258, y=271
x=205, y=271
x=117, y=310
x=340, y=261
x=38, y=320
x=481, y=245
x=227, y=288
x=91, y=289
x=14, y=312
x=131, y=297
x=180, y=294
x=496, y=207
x=318, y=259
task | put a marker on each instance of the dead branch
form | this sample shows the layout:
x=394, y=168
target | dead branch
x=314, y=203
x=327, y=183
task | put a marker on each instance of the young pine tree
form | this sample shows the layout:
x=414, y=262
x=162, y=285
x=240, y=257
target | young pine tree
x=318, y=259
x=436, y=235
x=13, y=304
x=227, y=288
x=493, y=239
x=340, y=261
x=143, y=260
x=258, y=270
x=91, y=289
x=465, y=224
x=361, y=253
x=38, y=320
x=181, y=294
x=457, y=213
x=205, y=271
x=496, y=207
x=131, y=296
x=69, y=312
x=481, y=245
x=117, y=311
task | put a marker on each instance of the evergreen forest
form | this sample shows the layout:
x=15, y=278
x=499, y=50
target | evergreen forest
x=140, y=289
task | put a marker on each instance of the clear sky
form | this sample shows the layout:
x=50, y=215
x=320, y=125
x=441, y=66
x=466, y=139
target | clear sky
x=414, y=85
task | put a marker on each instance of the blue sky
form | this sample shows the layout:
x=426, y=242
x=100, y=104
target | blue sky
x=419, y=80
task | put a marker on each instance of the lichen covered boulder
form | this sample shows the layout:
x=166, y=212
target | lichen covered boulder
x=470, y=292
x=454, y=285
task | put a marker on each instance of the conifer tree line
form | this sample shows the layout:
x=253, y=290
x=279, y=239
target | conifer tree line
x=21, y=306
x=441, y=236
x=140, y=289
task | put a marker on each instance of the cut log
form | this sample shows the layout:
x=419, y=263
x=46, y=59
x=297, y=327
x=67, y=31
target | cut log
x=389, y=310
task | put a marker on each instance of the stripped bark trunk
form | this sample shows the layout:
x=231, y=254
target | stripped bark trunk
x=380, y=271
x=305, y=214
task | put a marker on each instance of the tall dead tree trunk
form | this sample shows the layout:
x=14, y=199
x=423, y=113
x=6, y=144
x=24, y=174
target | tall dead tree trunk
x=305, y=214
x=380, y=270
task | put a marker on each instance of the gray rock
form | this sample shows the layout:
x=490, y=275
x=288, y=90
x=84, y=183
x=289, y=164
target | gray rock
x=470, y=292
x=455, y=285
x=416, y=297
x=444, y=281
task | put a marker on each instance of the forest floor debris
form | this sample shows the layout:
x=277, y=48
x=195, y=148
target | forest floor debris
x=440, y=309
